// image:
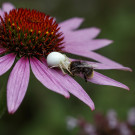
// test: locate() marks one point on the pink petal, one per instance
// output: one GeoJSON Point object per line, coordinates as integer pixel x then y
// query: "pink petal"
{"type": "Point", "coordinates": [6, 62]}
{"type": "Point", "coordinates": [7, 6]}
{"type": "Point", "coordinates": [2, 50]}
{"type": "Point", "coordinates": [81, 35]}
{"type": "Point", "coordinates": [104, 80]}
{"type": "Point", "coordinates": [108, 62]}
{"type": "Point", "coordinates": [98, 43]}
{"type": "Point", "coordinates": [47, 78]}
{"type": "Point", "coordinates": [72, 86]}
{"type": "Point", "coordinates": [95, 56]}
{"type": "Point", "coordinates": [102, 66]}
{"type": "Point", "coordinates": [86, 45]}
{"type": "Point", "coordinates": [17, 84]}
{"type": "Point", "coordinates": [71, 24]}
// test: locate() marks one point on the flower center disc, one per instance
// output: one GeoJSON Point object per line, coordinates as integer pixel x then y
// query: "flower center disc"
{"type": "Point", "coordinates": [29, 33]}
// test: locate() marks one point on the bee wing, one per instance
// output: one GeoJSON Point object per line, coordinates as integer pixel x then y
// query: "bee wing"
{"type": "Point", "coordinates": [83, 64]}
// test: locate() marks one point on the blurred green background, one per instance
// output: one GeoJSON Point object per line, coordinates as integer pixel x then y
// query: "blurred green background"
{"type": "Point", "coordinates": [44, 112]}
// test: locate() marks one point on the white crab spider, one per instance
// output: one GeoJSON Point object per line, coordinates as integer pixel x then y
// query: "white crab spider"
{"type": "Point", "coordinates": [56, 59]}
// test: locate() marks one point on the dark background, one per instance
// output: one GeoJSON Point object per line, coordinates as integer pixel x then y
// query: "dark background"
{"type": "Point", "coordinates": [44, 112]}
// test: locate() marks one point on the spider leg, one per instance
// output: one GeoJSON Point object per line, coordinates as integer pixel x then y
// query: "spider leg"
{"type": "Point", "coordinates": [65, 65]}
{"type": "Point", "coordinates": [53, 66]}
{"type": "Point", "coordinates": [69, 71]}
{"type": "Point", "coordinates": [60, 66]}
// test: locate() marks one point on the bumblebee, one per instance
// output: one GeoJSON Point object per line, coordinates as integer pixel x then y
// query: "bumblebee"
{"type": "Point", "coordinates": [78, 67]}
{"type": "Point", "coordinates": [56, 59]}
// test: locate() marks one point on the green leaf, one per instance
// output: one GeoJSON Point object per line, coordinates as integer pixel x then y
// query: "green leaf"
{"type": "Point", "coordinates": [3, 103]}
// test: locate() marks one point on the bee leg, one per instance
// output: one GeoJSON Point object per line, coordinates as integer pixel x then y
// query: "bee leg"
{"type": "Point", "coordinates": [72, 74]}
{"type": "Point", "coordinates": [85, 77]}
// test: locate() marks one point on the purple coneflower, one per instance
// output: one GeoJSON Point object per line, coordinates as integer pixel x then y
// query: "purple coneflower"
{"type": "Point", "coordinates": [29, 36]}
